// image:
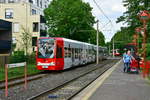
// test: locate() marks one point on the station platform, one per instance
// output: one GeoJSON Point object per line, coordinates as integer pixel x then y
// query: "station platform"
{"type": "Point", "coordinates": [114, 84]}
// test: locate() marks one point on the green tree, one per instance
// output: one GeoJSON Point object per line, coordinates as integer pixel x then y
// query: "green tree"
{"type": "Point", "coordinates": [134, 7]}
{"type": "Point", "coordinates": [121, 38]}
{"type": "Point", "coordinates": [93, 38]}
{"type": "Point", "coordinates": [65, 18]}
{"type": "Point", "coordinates": [26, 40]}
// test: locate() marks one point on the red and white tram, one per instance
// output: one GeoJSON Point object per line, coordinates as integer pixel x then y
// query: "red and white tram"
{"type": "Point", "coordinates": [62, 53]}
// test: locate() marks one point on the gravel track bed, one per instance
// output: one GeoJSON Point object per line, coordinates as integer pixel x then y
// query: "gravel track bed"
{"type": "Point", "coordinates": [49, 82]}
{"type": "Point", "coordinates": [21, 80]}
{"type": "Point", "coordinates": [70, 89]}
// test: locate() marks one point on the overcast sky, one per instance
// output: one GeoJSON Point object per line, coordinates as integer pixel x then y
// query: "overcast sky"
{"type": "Point", "coordinates": [113, 9]}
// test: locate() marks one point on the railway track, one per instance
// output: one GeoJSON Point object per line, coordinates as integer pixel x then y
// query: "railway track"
{"type": "Point", "coordinates": [20, 80]}
{"type": "Point", "coordinates": [72, 87]}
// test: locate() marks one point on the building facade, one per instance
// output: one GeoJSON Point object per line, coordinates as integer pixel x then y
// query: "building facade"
{"type": "Point", "coordinates": [39, 3]}
{"type": "Point", "coordinates": [26, 16]}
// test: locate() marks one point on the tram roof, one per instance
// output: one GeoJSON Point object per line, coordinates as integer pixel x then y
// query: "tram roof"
{"type": "Point", "coordinates": [69, 40]}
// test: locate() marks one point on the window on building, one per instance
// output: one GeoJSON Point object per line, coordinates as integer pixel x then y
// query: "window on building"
{"type": "Point", "coordinates": [33, 12]}
{"type": "Point", "coordinates": [10, 1]}
{"type": "Point", "coordinates": [14, 40]}
{"type": "Point", "coordinates": [31, 1]}
{"type": "Point", "coordinates": [38, 3]}
{"type": "Point", "coordinates": [41, 4]}
{"type": "Point", "coordinates": [9, 13]}
{"type": "Point", "coordinates": [16, 27]}
{"type": "Point", "coordinates": [2, 1]}
{"type": "Point", "coordinates": [34, 41]}
{"type": "Point", "coordinates": [35, 27]}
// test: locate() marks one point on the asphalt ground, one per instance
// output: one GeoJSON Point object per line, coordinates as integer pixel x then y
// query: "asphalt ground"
{"type": "Point", "coordinates": [117, 85]}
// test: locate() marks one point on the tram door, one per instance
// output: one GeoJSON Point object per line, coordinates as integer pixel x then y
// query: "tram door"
{"type": "Point", "coordinates": [59, 54]}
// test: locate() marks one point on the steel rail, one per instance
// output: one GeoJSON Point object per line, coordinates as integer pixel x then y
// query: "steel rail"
{"type": "Point", "coordinates": [35, 97]}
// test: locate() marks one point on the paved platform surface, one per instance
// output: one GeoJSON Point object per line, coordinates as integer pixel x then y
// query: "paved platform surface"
{"type": "Point", "coordinates": [122, 86]}
{"type": "Point", "coordinates": [117, 85]}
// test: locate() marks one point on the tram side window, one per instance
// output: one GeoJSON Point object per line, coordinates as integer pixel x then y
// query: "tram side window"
{"type": "Point", "coordinates": [89, 51]}
{"type": "Point", "coordinates": [75, 52]}
{"type": "Point", "coordinates": [66, 52]}
{"type": "Point", "coordinates": [59, 52]}
{"type": "Point", "coordinates": [69, 52]}
{"type": "Point", "coordinates": [72, 52]}
{"type": "Point", "coordinates": [78, 52]}
{"type": "Point", "coordinates": [86, 53]}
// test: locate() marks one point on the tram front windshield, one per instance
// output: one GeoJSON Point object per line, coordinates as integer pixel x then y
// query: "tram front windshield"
{"type": "Point", "coordinates": [46, 48]}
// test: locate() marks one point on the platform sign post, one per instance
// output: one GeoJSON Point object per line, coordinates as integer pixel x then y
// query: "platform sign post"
{"type": "Point", "coordinates": [6, 80]}
{"type": "Point", "coordinates": [7, 66]}
{"type": "Point", "coordinates": [25, 76]}
{"type": "Point", "coordinates": [97, 58]}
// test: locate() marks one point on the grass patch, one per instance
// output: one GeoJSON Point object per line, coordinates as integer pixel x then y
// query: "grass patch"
{"type": "Point", "coordinates": [18, 72]}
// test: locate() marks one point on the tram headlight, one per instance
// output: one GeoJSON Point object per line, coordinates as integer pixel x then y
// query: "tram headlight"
{"type": "Point", "coordinates": [46, 64]}
{"type": "Point", "coordinates": [52, 63]}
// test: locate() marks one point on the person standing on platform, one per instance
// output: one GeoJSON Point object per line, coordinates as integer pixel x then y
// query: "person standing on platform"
{"type": "Point", "coordinates": [127, 61]}
{"type": "Point", "coordinates": [124, 61]}
{"type": "Point", "coordinates": [138, 59]}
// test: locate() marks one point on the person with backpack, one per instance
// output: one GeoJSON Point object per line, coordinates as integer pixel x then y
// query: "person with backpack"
{"type": "Point", "coordinates": [127, 58]}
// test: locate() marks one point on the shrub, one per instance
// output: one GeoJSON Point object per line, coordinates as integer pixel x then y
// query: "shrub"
{"type": "Point", "coordinates": [148, 51]}
{"type": "Point", "coordinates": [17, 57]}
{"type": "Point", "coordinates": [31, 59]}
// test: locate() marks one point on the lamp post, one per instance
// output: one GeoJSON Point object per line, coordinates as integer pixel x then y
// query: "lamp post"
{"type": "Point", "coordinates": [144, 17]}
{"type": "Point", "coordinates": [113, 48]}
{"type": "Point", "coordinates": [97, 58]}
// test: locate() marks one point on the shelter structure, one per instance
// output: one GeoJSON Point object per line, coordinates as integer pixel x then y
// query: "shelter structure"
{"type": "Point", "coordinates": [5, 41]}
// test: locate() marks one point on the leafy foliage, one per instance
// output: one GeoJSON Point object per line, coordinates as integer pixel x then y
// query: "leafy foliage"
{"type": "Point", "coordinates": [93, 39]}
{"type": "Point", "coordinates": [70, 19]}
{"type": "Point", "coordinates": [131, 18]}
{"type": "Point", "coordinates": [17, 57]}
{"type": "Point", "coordinates": [31, 59]}
{"type": "Point", "coordinates": [122, 37]}
{"type": "Point", "coordinates": [26, 40]}
{"type": "Point", "coordinates": [134, 7]}
{"type": "Point", "coordinates": [148, 51]}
